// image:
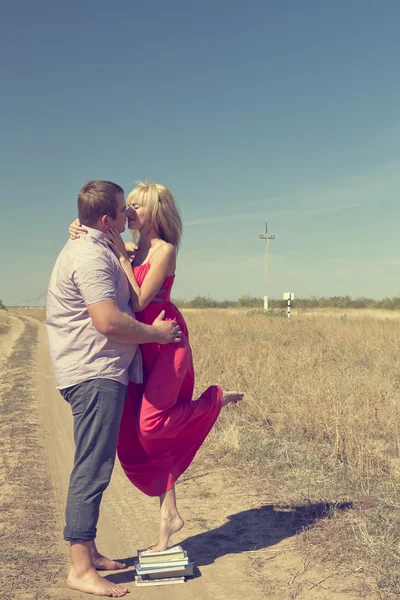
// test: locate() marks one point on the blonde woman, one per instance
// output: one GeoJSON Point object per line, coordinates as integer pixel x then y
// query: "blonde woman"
{"type": "Point", "coordinates": [162, 428]}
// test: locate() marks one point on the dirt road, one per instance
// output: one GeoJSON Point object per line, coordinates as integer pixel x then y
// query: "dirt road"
{"type": "Point", "coordinates": [129, 519]}
{"type": "Point", "coordinates": [242, 545]}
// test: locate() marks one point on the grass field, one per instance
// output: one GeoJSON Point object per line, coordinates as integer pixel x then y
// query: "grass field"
{"type": "Point", "coordinates": [320, 424]}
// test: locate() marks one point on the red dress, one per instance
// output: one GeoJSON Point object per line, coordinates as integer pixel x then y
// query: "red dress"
{"type": "Point", "coordinates": [162, 428]}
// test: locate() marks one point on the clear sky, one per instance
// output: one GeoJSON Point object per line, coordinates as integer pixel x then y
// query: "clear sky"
{"type": "Point", "coordinates": [286, 112]}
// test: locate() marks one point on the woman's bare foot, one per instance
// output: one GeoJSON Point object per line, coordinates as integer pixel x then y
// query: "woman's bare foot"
{"type": "Point", "coordinates": [228, 397]}
{"type": "Point", "coordinates": [168, 526]}
{"type": "Point", "coordinates": [90, 582]}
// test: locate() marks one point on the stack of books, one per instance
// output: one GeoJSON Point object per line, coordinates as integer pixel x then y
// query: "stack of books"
{"type": "Point", "coordinates": [163, 568]}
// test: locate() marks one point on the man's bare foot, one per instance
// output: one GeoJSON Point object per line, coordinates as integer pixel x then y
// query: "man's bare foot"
{"type": "Point", "coordinates": [228, 397]}
{"type": "Point", "coordinates": [168, 526]}
{"type": "Point", "coordinates": [90, 582]}
{"type": "Point", "coordinates": [101, 563]}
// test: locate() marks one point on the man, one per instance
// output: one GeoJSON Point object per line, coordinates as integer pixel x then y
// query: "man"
{"type": "Point", "coordinates": [93, 340]}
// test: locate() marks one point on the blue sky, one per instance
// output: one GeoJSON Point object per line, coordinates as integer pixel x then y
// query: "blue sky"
{"type": "Point", "coordinates": [286, 112]}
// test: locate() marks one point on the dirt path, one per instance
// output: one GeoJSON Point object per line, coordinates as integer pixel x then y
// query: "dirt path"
{"type": "Point", "coordinates": [129, 519]}
{"type": "Point", "coordinates": [242, 547]}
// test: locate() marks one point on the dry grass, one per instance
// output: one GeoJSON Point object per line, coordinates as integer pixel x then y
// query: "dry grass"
{"type": "Point", "coordinates": [28, 559]}
{"type": "Point", "coordinates": [36, 313]}
{"type": "Point", "coordinates": [320, 423]}
{"type": "Point", "coordinates": [5, 323]}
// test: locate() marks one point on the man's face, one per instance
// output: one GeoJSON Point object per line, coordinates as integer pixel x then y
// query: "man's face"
{"type": "Point", "coordinates": [120, 219]}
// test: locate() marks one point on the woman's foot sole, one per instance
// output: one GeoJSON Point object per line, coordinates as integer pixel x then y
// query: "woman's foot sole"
{"type": "Point", "coordinates": [234, 397]}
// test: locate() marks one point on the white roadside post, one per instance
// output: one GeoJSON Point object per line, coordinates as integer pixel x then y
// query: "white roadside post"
{"type": "Point", "coordinates": [266, 237]}
{"type": "Point", "coordinates": [289, 296]}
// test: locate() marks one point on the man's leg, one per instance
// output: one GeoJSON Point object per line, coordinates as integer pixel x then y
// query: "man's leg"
{"type": "Point", "coordinates": [97, 408]}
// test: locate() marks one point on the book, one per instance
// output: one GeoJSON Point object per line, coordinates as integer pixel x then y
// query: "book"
{"type": "Point", "coordinates": [171, 554]}
{"type": "Point", "coordinates": [159, 565]}
{"type": "Point", "coordinates": [171, 575]}
{"type": "Point", "coordinates": [144, 581]}
{"type": "Point", "coordinates": [169, 571]}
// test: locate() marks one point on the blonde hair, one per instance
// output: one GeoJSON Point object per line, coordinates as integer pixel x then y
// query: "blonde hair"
{"type": "Point", "coordinates": [162, 212]}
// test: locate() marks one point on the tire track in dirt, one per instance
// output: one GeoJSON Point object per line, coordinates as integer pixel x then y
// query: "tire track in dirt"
{"type": "Point", "coordinates": [28, 559]}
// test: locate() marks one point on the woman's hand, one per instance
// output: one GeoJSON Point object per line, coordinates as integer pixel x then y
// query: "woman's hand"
{"type": "Point", "coordinates": [75, 229]}
{"type": "Point", "coordinates": [131, 249]}
{"type": "Point", "coordinates": [115, 241]}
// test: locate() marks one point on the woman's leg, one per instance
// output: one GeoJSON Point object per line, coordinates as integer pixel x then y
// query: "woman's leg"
{"type": "Point", "coordinates": [170, 520]}
{"type": "Point", "coordinates": [171, 424]}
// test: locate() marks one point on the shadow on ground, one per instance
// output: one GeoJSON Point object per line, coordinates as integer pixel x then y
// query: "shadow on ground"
{"type": "Point", "coordinates": [252, 529]}
{"type": "Point", "coordinates": [257, 528]}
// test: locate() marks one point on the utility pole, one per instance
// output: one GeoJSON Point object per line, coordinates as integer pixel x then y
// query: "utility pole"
{"type": "Point", "coordinates": [266, 237]}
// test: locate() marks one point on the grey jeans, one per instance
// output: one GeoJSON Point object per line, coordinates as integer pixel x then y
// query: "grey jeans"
{"type": "Point", "coordinates": [97, 407]}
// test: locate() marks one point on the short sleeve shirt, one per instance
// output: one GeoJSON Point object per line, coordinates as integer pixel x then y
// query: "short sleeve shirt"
{"type": "Point", "coordinates": [87, 272]}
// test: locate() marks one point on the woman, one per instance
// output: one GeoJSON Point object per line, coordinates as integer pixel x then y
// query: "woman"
{"type": "Point", "coordinates": [161, 428]}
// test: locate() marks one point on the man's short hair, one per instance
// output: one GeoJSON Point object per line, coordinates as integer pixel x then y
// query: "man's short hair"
{"type": "Point", "coordinates": [96, 199]}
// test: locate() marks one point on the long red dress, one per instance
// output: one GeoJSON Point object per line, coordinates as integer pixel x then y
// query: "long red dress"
{"type": "Point", "coordinates": [162, 428]}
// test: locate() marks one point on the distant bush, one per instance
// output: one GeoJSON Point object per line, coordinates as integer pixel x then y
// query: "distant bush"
{"type": "Point", "coordinates": [250, 302]}
{"type": "Point", "coordinates": [203, 302]}
{"type": "Point", "coordinates": [268, 313]}
{"type": "Point", "coordinates": [2, 306]}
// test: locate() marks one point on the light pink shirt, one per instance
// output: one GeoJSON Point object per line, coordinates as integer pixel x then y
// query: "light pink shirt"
{"type": "Point", "coordinates": [86, 272]}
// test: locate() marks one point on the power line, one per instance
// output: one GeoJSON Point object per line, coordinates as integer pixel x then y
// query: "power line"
{"type": "Point", "coordinates": [37, 302]}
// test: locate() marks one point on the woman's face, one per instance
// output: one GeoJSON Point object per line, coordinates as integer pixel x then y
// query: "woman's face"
{"type": "Point", "coordinates": [136, 216]}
